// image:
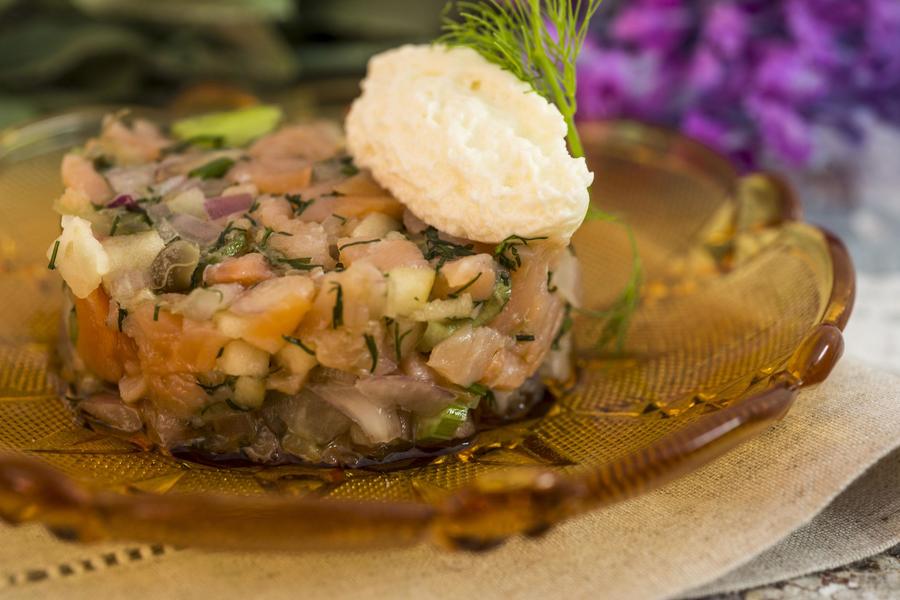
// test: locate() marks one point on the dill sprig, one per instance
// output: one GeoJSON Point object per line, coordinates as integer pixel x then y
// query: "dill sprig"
{"type": "Point", "coordinates": [538, 41]}
{"type": "Point", "coordinates": [617, 318]}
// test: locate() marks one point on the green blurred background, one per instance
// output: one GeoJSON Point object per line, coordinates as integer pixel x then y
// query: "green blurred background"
{"type": "Point", "coordinates": [59, 53]}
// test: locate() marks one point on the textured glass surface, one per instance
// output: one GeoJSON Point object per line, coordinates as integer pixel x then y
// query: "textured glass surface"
{"type": "Point", "coordinates": [743, 304]}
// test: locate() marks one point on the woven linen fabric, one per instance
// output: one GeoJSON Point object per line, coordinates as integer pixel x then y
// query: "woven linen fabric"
{"type": "Point", "coordinates": [663, 544]}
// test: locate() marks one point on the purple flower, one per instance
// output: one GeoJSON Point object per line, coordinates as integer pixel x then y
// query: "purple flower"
{"type": "Point", "coordinates": [782, 129]}
{"type": "Point", "coordinates": [727, 29]}
{"type": "Point", "coordinates": [786, 72]}
{"type": "Point", "coordinates": [659, 24]}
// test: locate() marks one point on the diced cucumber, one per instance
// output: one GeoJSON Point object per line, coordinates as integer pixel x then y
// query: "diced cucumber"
{"type": "Point", "coordinates": [494, 305]}
{"type": "Point", "coordinates": [234, 128]}
{"type": "Point", "coordinates": [249, 392]}
{"type": "Point", "coordinates": [443, 426]}
{"type": "Point", "coordinates": [240, 358]}
{"type": "Point", "coordinates": [407, 290]}
{"type": "Point", "coordinates": [440, 310]}
{"type": "Point", "coordinates": [438, 331]}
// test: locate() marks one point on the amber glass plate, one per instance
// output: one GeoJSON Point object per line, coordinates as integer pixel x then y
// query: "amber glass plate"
{"type": "Point", "coordinates": [743, 304]}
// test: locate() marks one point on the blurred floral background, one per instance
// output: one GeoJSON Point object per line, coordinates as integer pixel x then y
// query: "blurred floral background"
{"type": "Point", "coordinates": [810, 88]}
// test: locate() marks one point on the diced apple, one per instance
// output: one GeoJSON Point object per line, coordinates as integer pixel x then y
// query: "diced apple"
{"type": "Point", "coordinates": [189, 202]}
{"type": "Point", "coordinates": [408, 290]}
{"type": "Point", "coordinates": [296, 360]}
{"type": "Point", "coordinates": [240, 358]}
{"type": "Point", "coordinates": [269, 311]}
{"type": "Point", "coordinates": [375, 226]}
{"type": "Point", "coordinates": [79, 257]}
{"type": "Point", "coordinates": [249, 392]}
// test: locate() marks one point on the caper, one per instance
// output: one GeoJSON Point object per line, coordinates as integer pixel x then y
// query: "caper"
{"type": "Point", "coordinates": [173, 267]}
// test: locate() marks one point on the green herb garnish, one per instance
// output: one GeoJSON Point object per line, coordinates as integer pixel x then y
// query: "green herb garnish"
{"type": "Point", "coordinates": [347, 166]}
{"type": "Point", "coordinates": [299, 344]}
{"type": "Point", "coordinates": [340, 218]}
{"type": "Point", "coordinates": [359, 243]}
{"type": "Point", "coordinates": [115, 225]}
{"type": "Point", "coordinates": [214, 169]}
{"type": "Point", "coordinates": [398, 340]}
{"type": "Point", "coordinates": [524, 337]}
{"type": "Point", "coordinates": [52, 264]}
{"type": "Point", "coordinates": [373, 350]}
{"type": "Point", "coordinates": [337, 313]}
{"type": "Point", "coordinates": [617, 318]}
{"type": "Point", "coordinates": [301, 264]}
{"type": "Point", "coordinates": [507, 253]}
{"type": "Point", "coordinates": [102, 163]}
{"type": "Point", "coordinates": [156, 313]}
{"type": "Point", "coordinates": [536, 41]}
{"type": "Point", "coordinates": [268, 233]}
{"type": "Point", "coordinates": [465, 287]}
{"type": "Point", "coordinates": [435, 247]}
{"type": "Point", "coordinates": [298, 203]}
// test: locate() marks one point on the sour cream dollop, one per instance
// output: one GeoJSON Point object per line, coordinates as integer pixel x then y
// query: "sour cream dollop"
{"type": "Point", "coordinates": [466, 146]}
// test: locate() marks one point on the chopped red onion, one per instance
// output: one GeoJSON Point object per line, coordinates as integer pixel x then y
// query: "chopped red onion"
{"type": "Point", "coordinates": [221, 206]}
{"type": "Point", "coordinates": [194, 229]}
{"type": "Point", "coordinates": [121, 200]}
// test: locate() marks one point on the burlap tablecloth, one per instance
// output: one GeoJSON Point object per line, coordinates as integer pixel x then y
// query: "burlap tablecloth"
{"type": "Point", "coordinates": [765, 511]}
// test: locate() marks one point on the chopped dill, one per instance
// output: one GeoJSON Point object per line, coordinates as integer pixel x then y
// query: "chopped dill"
{"type": "Point", "coordinates": [359, 243]}
{"type": "Point", "coordinates": [537, 41]}
{"type": "Point", "coordinates": [470, 283]}
{"type": "Point", "coordinates": [507, 253]}
{"type": "Point", "coordinates": [373, 350]}
{"type": "Point", "coordinates": [52, 264]}
{"type": "Point", "coordinates": [299, 344]}
{"type": "Point", "coordinates": [340, 218]}
{"type": "Point", "coordinates": [435, 247]}
{"type": "Point", "coordinates": [337, 313]}
{"type": "Point", "coordinates": [298, 203]}
{"type": "Point", "coordinates": [156, 313]}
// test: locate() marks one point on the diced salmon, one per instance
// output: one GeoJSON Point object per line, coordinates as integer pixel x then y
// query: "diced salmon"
{"type": "Point", "coordinates": [103, 350]}
{"type": "Point", "coordinates": [315, 141]}
{"type": "Point", "coordinates": [176, 394]}
{"type": "Point", "coordinates": [274, 175]}
{"type": "Point", "coordinates": [533, 310]}
{"type": "Point", "coordinates": [476, 273]}
{"type": "Point", "coordinates": [299, 239]}
{"type": "Point", "coordinates": [140, 143]}
{"type": "Point", "coordinates": [352, 206]}
{"type": "Point", "coordinates": [466, 356]}
{"type": "Point", "coordinates": [361, 184]}
{"type": "Point", "coordinates": [384, 254]}
{"type": "Point", "coordinates": [172, 343]}
{"type": "Point", "coordinates": [273, 212]}
{"type": "Point", "coordinates": [348, 350]}
{"type": "Point", "coordinates": [246, 270]}
{"type": "Point", "coordinates": [79, 174]}
{"type": "Point", "coordinates": [269, 311]}
{"type": "Point", "coordinates": [362, 291]}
